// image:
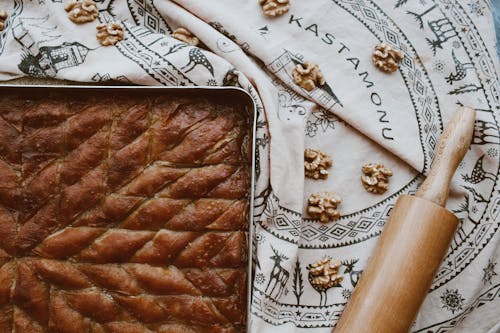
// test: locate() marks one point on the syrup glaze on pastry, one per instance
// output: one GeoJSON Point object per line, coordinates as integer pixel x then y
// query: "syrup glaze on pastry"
{"type": "Point", "coordinates": [123, 215]}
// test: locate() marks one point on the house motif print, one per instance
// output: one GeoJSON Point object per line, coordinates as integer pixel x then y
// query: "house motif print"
{"type": "Point", "coordinates": [51, 59]}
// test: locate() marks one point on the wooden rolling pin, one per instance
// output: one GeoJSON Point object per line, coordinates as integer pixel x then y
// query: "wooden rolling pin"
{"type": "Point", "coordinates": [412, 245]}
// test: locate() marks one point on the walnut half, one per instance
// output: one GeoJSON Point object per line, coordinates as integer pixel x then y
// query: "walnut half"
{"type": "Point", "coordinates": [375, 178]}
{"type": "Point", "coordinates": [316, 163]}
{"type": "Point", "coordinates": [109, 33]}
{"type": "Point", "coordinates": [308, 76]}
{"type": "Point", "coordinates": [82, 11]}
{"type": "Point", "coordinates": [386, 58]}
{"type": "Point", "coordinates": [275, 8]}
{"type": "Point", "coordinates": [323, 206]}
{"type": "Point", "coordinates": [185, 36]}
{"type": "Point", "coordinates": [323, 274]}
{"type": "Point", "coordinates": [3, 18]}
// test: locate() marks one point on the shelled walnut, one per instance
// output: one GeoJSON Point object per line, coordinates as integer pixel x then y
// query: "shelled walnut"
{"type": "Point", "coordinates": [82, 11]}
{"type": "Point", "coordinates": [185, 36]}
{"type": "Point", "coordinates": [323, 206]}
{"type": "Point", "coordinates": [316, 163]}
{"type": "Point", "coordinates": [3, 18]}
{"type": "Point", "coordinates": [375, 177]}
{"type": "Point", "coordinates": [275, 8]}
{"type": "Point", "coordinates": [308, 76]}
{"type": "Point", "coordinates": [109, 33]}
{"type": "Point", "coordinates": [386, 58]}
{"type": "Point", "coordinates": [323, 274]}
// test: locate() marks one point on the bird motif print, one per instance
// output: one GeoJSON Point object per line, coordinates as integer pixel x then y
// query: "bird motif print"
{"type": "Point", "coordinates": [196, 57]}
{"type": "Point", "coordinates": [460, 70]}
{"type": "Point", "coordinates": [478, 173]}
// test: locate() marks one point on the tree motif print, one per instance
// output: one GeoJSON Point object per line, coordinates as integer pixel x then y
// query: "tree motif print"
{"type": "Point", "coordinates": [419, 17]}
{"type": "Point", "coordinates": [298, 282]}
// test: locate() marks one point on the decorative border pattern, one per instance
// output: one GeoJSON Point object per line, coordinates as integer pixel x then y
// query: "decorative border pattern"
{"type": "Point", "coordinates": [158, 67]}
{"type": "Point", "coordinates": [288, 225]}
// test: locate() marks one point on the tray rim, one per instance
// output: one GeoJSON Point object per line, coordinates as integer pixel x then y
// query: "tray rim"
{"type": "Point", "coordinates": [251, 109]}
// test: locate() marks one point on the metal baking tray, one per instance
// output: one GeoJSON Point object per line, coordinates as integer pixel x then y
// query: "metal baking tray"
{"type": "Point", "coordinates": [224, 93]}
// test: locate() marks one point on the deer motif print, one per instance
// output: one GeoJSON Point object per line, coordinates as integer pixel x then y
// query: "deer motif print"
{"type": "Point", "coordinates": [279, 275]}
{"type": "Point", "coordinates": [460, 70]}
{"type": "Point", "coordinates": [354, 275]}
{"type": "Point", "coordinates": [323, 275]}
{"type": "Point", "coordinates": [196, 57]}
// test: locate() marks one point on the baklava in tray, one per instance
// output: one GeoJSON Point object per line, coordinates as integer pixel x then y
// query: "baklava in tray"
{"type": "Point", "coordinates": [123, 212]}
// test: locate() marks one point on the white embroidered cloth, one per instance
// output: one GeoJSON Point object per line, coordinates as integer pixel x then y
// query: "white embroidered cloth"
{"type": "Point", "coordinates": [360, 115]}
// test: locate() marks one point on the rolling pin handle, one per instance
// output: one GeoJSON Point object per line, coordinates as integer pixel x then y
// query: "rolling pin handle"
{"type": "Point", "coordinates": [453, 145]}
{"type": "Point", "coordinates": [412, 245]}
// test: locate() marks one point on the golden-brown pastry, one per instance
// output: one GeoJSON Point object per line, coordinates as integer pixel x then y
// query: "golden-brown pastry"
{"type": "Point", "coordinates": [122, 215]}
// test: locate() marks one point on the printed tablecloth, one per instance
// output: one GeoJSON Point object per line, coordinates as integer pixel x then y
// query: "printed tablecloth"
{"type": "Point", "coordinates": [359, 115]}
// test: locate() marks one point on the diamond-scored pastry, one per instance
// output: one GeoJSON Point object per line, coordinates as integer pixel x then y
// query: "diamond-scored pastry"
{"type": "Point", "coordinates": [274, 8]}
{"type": "Point", "coordinates": [386, 58]}
{"type": "Point", "coordinates": [109, 33]}
{"type": "Point", "coordinates": [82, 11]}
{"type": "Point", "coordinates": [375, 177]}
{"type": "Point", "coordinates": [308, 76]}
{"type": "Point", "coordinates": [121, 215]}
{"type": "Point", "coordinates": [316, 163]}
{"type": "Point", "coordinates": [185, 36]}
{"type": "Point", "coordinates": [323, 206]}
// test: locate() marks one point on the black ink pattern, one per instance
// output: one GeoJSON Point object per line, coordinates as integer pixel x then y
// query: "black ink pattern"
{"type": "Point", "coordinates": [176, 47]}
{"type": "Point", "coordinates": [465, 89]}
{"type": "Point", "coordinates": [196, 57]}
{"type": "Point", "coordinates": [419, 17]}
{"type": "Point", "coordinates": [346, 293]}
{"type": "Point", "coordinates": [478, 173]}
{"type": "Point", "coordinates": [298, 283]}
{"type": "Point", "coordinates": [443, 30]}
{"type": "Point", "coordinates": [452, 300]}
{"type": "Point", "coordinates": [460, 69]}
{"type": "Point", "coordinates": [485, 132]}
{"type": "Point", "coordinates": [489, 271]}
{"type": "Point", "coordinates": [465, 207]}
{"type": "Point", "coordinates": [279, 276]}
{"type": "Point", "coordinates": [354, 275]}
{"type": "Point", "coordinates": [260, 278]}
{"type": "Point", "coordinates": [52, 59]}
{"type": "Point", "coordinates": [478, 197]}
